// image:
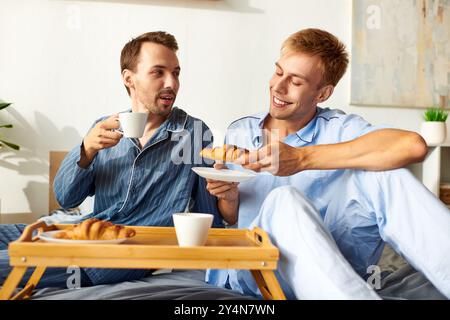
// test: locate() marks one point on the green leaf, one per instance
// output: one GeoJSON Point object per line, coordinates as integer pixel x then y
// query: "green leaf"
{"type": "Point", "coordinates": [6, 126]}
{"type": "Point", "coordinates": [436, 114]}
{"type": "Point", "coordinates": [3, 105]}
{"type": "Point", "coordinates": [11, 145]}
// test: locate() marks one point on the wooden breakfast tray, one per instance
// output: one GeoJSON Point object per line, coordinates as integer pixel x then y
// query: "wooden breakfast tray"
{"type": "Point", "coordinates": [150, 248]}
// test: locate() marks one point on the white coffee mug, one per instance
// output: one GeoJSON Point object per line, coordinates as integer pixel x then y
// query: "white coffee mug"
{"type": "Point", "coordinates": [192, 228]}
{"type": "Point", "coordinates": [133, 123]}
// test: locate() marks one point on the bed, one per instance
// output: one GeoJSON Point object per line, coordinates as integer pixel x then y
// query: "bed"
{"type": "Point", "coordinates": [399, 279]}
{"type": "Point", "coordinates": [399, 282]}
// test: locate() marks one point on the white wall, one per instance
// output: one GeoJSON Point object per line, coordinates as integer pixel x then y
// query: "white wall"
{"type": "Point", "coordinates": [59, 63]}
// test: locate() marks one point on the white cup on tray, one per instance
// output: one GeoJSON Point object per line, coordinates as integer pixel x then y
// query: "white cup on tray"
{"type": "Point", "coordinates": [192, 228]}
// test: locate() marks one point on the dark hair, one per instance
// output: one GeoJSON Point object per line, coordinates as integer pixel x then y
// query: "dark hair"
{"type": "Point", "coordinates": [129, 56]}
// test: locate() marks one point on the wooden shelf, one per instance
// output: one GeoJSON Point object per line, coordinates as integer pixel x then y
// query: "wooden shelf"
{"type": "Point", "coordinates": [444, 144]}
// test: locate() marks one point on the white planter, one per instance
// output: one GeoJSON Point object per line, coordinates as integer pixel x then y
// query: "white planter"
{"type": "Point", "coordinates": [434, 132]}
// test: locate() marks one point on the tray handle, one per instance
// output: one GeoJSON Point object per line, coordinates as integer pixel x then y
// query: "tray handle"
{"type": "Point", "coordinates": [27, 234]}
{"type": "Point", "coordinates": [260, 236]}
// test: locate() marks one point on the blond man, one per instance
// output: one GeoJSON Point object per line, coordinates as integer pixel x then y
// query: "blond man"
{"type": "Point", "coordinates": [330, 189]}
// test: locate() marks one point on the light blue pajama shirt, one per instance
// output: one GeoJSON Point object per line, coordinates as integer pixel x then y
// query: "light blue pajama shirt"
{"type": "Point", "coordinates": [361, 209]}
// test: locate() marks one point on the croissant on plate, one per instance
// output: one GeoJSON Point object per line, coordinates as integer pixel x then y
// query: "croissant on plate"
{"type": "Point", "coordinates": [226, 153]}
{"type": "Point", "coordinates": [95, 229]}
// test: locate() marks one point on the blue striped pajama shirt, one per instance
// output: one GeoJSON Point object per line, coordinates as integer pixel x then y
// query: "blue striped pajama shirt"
{"type": "Point", "coordinates": [141, 187]}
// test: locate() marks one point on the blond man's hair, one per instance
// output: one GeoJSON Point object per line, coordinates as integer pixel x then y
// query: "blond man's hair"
{"type": "Point", "coordinates": [129, 56]}
{"type": "Point", "coordinates": [331, 52]}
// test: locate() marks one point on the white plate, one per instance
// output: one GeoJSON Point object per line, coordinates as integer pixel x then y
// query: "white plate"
{"type": "Point", "coordinates": [223, 174]}
{"type": "Point", "coordinates": [49, 237]}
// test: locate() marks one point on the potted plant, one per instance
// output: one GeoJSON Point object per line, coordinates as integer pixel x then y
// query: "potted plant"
{"type": "Point", "coordinates": [434, 130]}
{"type": "Point", "coordinates": [4, 105]}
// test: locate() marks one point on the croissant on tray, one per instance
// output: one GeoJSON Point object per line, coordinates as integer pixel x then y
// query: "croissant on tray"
{"type": "Point", "coordinates": [95, 229]}
{"type": "Point", "coordinates": [226, 153]}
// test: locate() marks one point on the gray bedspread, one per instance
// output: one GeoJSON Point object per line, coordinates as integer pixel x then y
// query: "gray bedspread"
{"type": "Point", "coordinates": [404, 283]}
{"type": "Point", "coordinates": [177, 285]}
{"type": "Point", "coordinates": [399, 281]}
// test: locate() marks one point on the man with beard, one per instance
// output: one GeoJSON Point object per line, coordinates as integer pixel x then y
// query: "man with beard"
{"type": "Point", "coordinates": [135, 181]}
{"type": "Point", "coordinates": [331, 189]}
